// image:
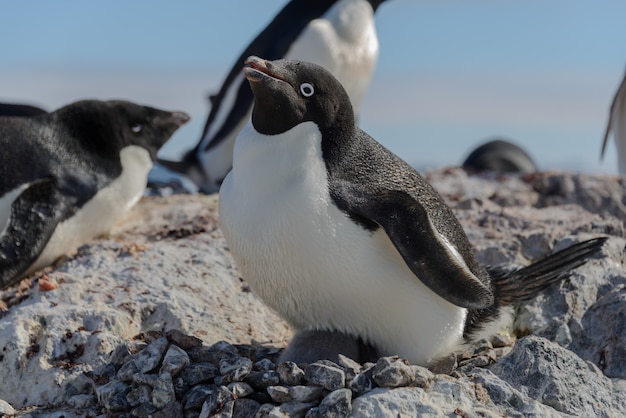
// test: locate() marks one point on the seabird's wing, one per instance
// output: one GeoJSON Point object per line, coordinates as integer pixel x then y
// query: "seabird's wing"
{"type": "Point", "coordinates": [429, 255]}
{"type": "Point", "coordinates": [33, 217]}
{"type": "Point", "coordinates": [621, 92]}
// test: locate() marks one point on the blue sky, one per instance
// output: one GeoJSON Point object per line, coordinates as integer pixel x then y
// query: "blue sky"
{"type": "Point", "coordinates": [451, 74]}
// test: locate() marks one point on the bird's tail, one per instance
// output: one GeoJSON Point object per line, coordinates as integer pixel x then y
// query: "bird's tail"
{"type": "Point", "coordinates": [523, 284]}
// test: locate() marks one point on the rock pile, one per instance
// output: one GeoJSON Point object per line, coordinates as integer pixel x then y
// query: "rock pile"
{"type": "Point", "coordinates": [105, 342]}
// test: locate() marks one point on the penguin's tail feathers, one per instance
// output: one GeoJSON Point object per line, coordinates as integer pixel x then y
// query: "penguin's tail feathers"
{"type": "Point", "coordinates": [523, 284]}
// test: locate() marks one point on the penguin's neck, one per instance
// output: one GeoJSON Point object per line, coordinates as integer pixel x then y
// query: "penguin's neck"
{"type": "Point", "coordinates": [266, 164]}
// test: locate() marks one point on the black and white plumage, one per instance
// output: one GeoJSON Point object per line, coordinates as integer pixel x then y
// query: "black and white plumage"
{"type": "Point", "coordinates": [339, 35]}
{"type": "Point", "coordinates": [344, 239]}
{"type": "Point", "coordinates": [19, 109]}
{"type": "Point", "coordinates": [67, 176]}
{"type": "Point", "coordinates": [617, 125]}
{"type": "Point", "coordinates": [500, 156]}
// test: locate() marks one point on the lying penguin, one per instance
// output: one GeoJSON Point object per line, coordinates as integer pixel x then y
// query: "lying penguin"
{"type": "Point", "coordinates": [346, 241]}
{"type": "Point", "coordinates": [66, 177]}
{"type": "Point", "coordinates": [339, 35]}
{"type": "Point", "coordinates": [19, 109]}
{"type": "Point", "coordinates": [500, 156]}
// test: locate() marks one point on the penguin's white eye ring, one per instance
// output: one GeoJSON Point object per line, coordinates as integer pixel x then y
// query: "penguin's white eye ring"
{"type": "Point", "coordinates": [307, 89]}
{"type": "Point", "coordinates": [136, 127]}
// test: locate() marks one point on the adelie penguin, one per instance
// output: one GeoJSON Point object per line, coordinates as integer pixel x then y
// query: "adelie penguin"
{"type": "Point", "coordinates": [500, 156]}
{"type": "Point", "coordinates": [346, 241]}
{"type": "Point", "coordinates": [66, 176]}
{"type": "Point", "coordinates": [339, 35]}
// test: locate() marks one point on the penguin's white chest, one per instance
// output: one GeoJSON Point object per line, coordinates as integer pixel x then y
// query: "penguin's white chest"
{"type": "Point", "coordinates": [98, 215]}
{"type": "Point", "coordinates": [312, 264]}
{"type": "Point", "coordinates": [344, 42]}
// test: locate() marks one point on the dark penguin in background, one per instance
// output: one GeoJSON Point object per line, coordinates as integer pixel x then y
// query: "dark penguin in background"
{"type": "Point", "coordinates": [617, 125]}
{"type": "Point", "coordinates": [17, 109]}
{"type": "Point", "coordinates": [346, 241]}
{"type": "Point", "coordinates": [66, 177]}
{"type": "Point", "coordinates": [500, 156]}
{"type": "Point", "coordinates": [339, 35]}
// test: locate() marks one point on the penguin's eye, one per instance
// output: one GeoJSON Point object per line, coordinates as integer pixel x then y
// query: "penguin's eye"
{"type": "Point", "coordinates": [307, 89]}
{"type": "Point", "coordinates": [136, 127]}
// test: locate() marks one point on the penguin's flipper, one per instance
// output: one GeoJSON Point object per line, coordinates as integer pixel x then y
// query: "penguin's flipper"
{"type": "Point", "coordinates": [429, 255]}
{"type": "Point", "coordinates": [525, 283]}
{"type": "Point", "coordinates": [621, 90]}
{"type": "Point", "coordinates": [34, 216]}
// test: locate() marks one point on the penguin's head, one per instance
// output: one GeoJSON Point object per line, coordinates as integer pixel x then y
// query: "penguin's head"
{"type": "Point", "coordinates": [107, 127]}
{"type": "Point", "coordinates": [288, 93]}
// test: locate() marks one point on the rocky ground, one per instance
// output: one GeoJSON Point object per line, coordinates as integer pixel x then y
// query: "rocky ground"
{"type": "Point", "coordinates": [154, 320]}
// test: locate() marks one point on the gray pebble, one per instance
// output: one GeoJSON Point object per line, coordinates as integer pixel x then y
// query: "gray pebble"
{"type": "Point", "coordinates": [234, 369]}
{"type": "Point", "coordinates": [279, 393]}
{"type": "Point", "coordinates": [289, 409]}
{"type": "Point", "coordinates": [218, 401]}
{"type": "Point", "coordinates": [393, 372]}
{"type": "Point", "coordinates": [150, 357]}
{"type": "Point", "coordinates": [175, 360]}
{"type": "Point", "coordinates": [163, 392]}
{"type": "Point", "coordinates": [196, 396]}
{"type": "Point", "coordinates": [264, 364]}
{"type": "Point", "coordinates": [305, 393]}
{"type": "Point", "coordinates": [289, 373]}
{"type": "Point", "coordinates": [445, 365]}
{"type": "Point", "coordinates": [423, 376]}
{"type": "Point", "coordinates": [213, 354]}
{"type": "Point", "coordinates": [143, 411]}
{"type": "Point", "coordinates": [182, 340]}
{"type": "Point", "coordinates": [337, 404]}
{"type": "Point", "coordinates": [162, 388]}
{"type": "Point", "coordinates": [172, 410]}
{"type": "Point", "coordinates": [180, 387]}
{"type": "Point", "coordinates": [363, 381]}
{"type": "Point", "coordinates": [479, 361]}
{"type": "Point", "coordinates": [198, 372]}
{"type": "Point", "coordinates": [139, 395]}
{"type": "Point", "coordinates": [263, 379]}
{"type": "Point", "coordinates": [245, 408]}
{"type": "Point", "coordinates": [120, 355]}
{"type": "Point", "coordinates": [328, 376]}
{"type": "Point", "coordinates": [240, 389]}
{"type": "Point", "coordinates": [502, 341]}
{"type": "Point", "coordinates": [350, 367]}
{"type": "Point", "coordinates": [103, 374]}
{"type": "Point", "coordinates": [127, 371]}
{"type": "Point", "coordinates": [112, 395]}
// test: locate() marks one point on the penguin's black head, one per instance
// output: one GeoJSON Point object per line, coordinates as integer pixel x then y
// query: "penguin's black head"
{"type": "Point", "coordinates": [288, 92]}
{"type": "Point", "coordinates": [105, 128]}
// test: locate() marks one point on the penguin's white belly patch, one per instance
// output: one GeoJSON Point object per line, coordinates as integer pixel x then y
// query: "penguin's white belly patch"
{"type": "Point", "coordinates": [99, 214]}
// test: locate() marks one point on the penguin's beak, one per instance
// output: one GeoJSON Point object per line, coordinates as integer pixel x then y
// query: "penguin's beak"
{"type": "Point", "coordinates": [257, 69]}
{"type": "Point", "coordinates": [180, 118]}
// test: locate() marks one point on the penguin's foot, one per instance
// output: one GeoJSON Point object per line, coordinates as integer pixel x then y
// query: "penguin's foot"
{"type": "Point", "coordinates": [310, 346]}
